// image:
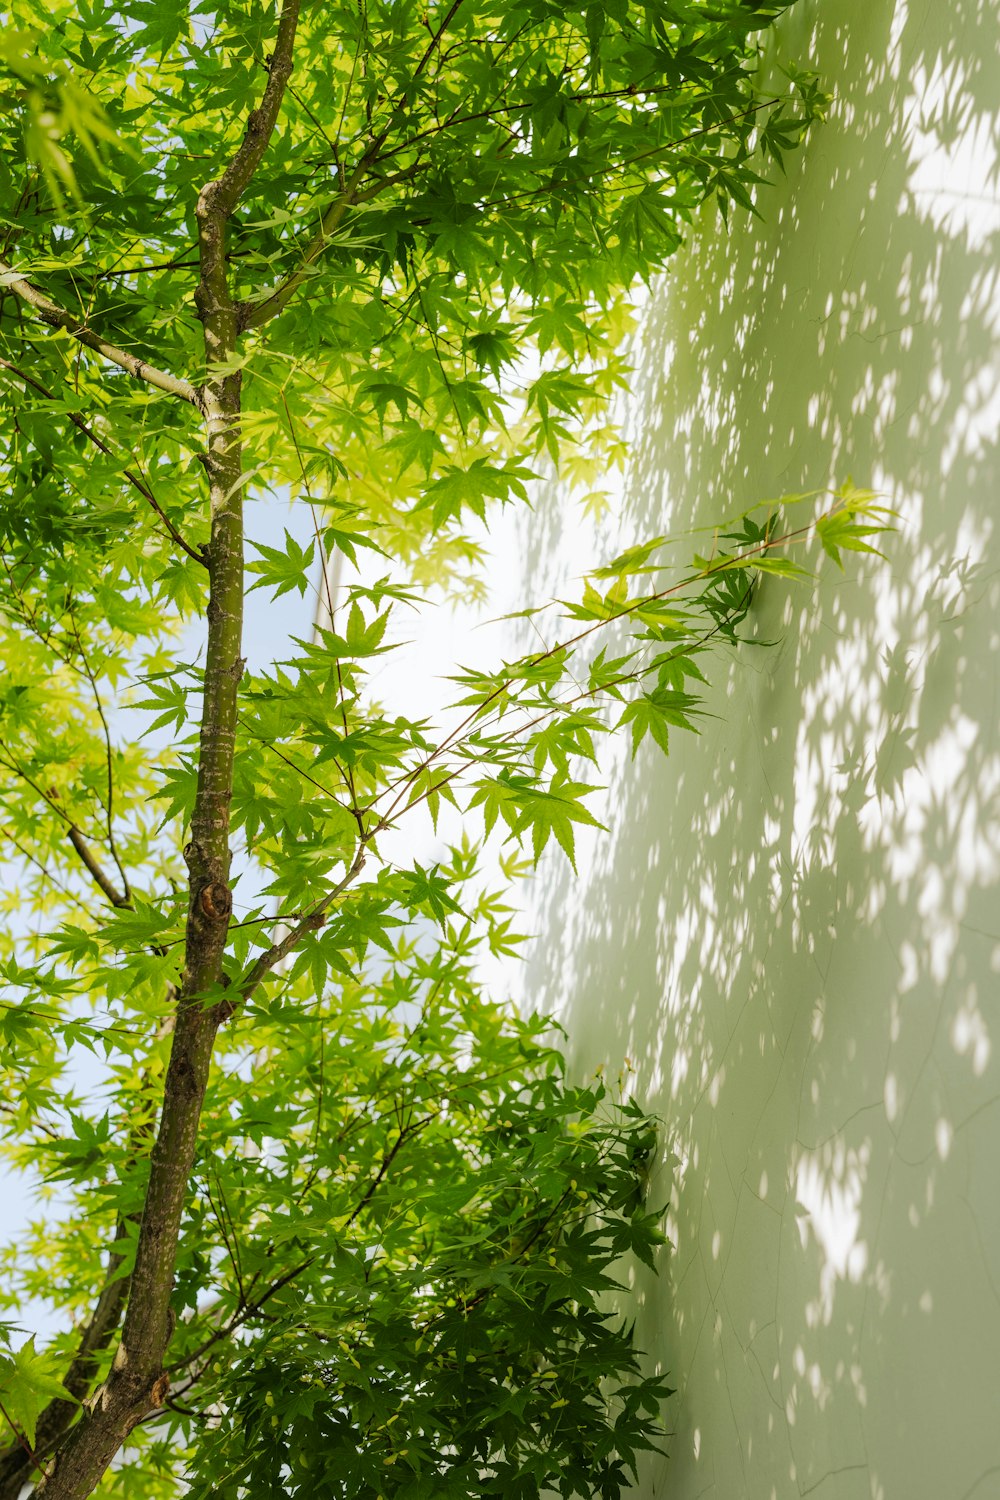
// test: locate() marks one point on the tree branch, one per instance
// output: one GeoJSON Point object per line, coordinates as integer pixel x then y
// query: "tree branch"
{"type": "Point", "coordinates": [435, 40]}
{"type": "Point", "coordinates": [259, 971]}
{"type": "Point", "coordinates": [57, 317]}
{"type": "Point", "coordinates": [109, 758]}
{"type": "Point", "coordinates": [254, 314]}
{"type": "Point", "coordinates": [137, 1382]}
{"type": "Point", "coordinates": [15, 1470]}
{"type": "Point", "coordinates": [116, 897]}
{"type": "Point", "coordinates": [134, 479]}
{"type": "Point", "coordinates": [44, 870]}
{"type": "Point", "coordinates": [16, 1466]}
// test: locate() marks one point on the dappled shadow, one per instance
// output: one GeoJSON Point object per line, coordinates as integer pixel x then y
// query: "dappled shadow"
{"type": "Point", "coordinates": [793, 929]}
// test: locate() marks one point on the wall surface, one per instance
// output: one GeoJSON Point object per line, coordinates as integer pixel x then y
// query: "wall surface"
{"type": "Point", "coordinates": [793, 927]}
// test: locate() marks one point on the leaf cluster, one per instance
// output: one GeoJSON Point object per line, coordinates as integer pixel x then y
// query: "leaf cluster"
{"type": "Point", "coordinates": [403, 1224]}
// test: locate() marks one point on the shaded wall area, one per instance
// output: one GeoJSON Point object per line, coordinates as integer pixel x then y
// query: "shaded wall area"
{"type": "Point", "coordinates": [793, 929]}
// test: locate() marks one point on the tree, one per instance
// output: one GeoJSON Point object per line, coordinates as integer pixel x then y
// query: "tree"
{"type": "Point", "coordinates": [341, 1229]}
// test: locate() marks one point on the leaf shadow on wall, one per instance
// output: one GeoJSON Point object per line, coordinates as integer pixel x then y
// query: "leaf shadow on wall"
{"type": "Point", "coordinates": [792, 929]}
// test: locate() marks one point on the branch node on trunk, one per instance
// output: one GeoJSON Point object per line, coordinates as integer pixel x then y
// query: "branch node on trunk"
{"type": "Point", "coordinates": [160, 1389]}
{"type": "Point", "coordinates": [216, 900]}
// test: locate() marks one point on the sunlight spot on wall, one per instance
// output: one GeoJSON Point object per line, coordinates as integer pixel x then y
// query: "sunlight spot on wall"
{"type": "Point", "coordinates": [715, 1087]}
{"type": "Point", "coordinates": [980, 417]}
{"type": "Point", "coordinates": [890, 1097]}
{"type": "Point", "coordinates": [828, 1186]}
{"type": "Point", "coordinates": [953, 161]}
{"type": "Point", "coordinates": [897, 31]}
{"type": "Point", "coordinates": [969, 1035]}
{"type": "Point", "coordinates": [679, 1066]}
{"type": "Point", "coordinates": [944, 1134]}
{"type": "Point", "coordinates": [859, 1385]}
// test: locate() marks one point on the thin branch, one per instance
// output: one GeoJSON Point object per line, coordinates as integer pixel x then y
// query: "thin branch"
{"type": "Point", "coordinates": [434, 42]}
{"type": "Point", "coordinates": [221, 1214]}
{"type": "Point", "coordinates": [405, 1132]}
{"type": "Point", "coordinates": [320, 1090]}
{"type": "Point", "coordinates": [455, 119]}
{"type": "Point", "coordinates": [162, 265]}
{"type": "Point", "coordinates": [76, 838]}
{"type": "Point", "coordinates": [254, 314]}
{"type": "Point", "coordinates": [343, 108]}
{"type": "Point", "coordinates": [292, 766]}
{"type": "Point", "coordinates": [33, 859]}
{"type": "Point", "coordinates": [630, 161]}
{"type": "Point", "coordinates": [137, 483]}
{"type": "Point", "coordinates": [127, 893]}
{"type": "Point", "coordinates": [344, 770]}
{"type": "Point", "coordinates": [725, 564]}
{"type": "Point", "coordinates": [50, 797]}
{"type": "Point", "coordinates": [83, 849]}
{"type": "Point", "coordinates": [685, 648]}
{"type": "Point", "coordinates": [19, 1436]}
{"type": "Point", "coordinates": [57, 317]}
{"type": "Point", "coordinates": [259, 971]}
{"type": "Point", "coordinates": [230, 187]}
{"type": "Point", "coordinates": [237, 1320]}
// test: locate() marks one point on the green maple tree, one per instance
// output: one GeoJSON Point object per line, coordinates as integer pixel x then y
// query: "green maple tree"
{"type": "Point", "coordinates": [334, 1223]}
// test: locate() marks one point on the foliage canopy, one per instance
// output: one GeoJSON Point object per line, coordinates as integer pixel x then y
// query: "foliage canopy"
{"type": "Point", "coordinates": [332, 1223]}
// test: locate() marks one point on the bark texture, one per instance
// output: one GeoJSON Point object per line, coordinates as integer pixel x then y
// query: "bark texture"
{"type": "Point", "coordinates": [137, 1383]}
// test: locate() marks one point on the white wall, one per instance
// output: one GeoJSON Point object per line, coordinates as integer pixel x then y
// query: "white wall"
{"type": "Point", "coordinates": [793, 930]}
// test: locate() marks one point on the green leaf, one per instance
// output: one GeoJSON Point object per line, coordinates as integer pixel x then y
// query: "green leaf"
{"type": "Point", "coordinates": [283, 571]}
{"type": "Point", "coordinates": [653, 713]}
{"type": "Point", "coordinates": [27, 1384]}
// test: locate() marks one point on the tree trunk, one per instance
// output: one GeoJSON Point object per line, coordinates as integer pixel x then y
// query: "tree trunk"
{"type": "Point", "coordinates": [136, 1383]}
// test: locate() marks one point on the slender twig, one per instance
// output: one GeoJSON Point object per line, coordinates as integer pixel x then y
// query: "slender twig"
{"type": "Point", "coordinates": [83, 849]}
{"type": "Point", "coordinates": [33, 858]}
{"type": "Point", "coordinates": [405, 1132]}
{"type": "Point", "coordinates": [224, 1220]}
{"type": "Point", "coordinates": [475, 715]}
{"type": "Point", "coordinates": [50, 797]}
{"type": "Point", "coordinates": [263, 308]}
{"type": "Point", "coordinates": [454, 120]}
{"type": "Point", "coordinates": [317, 1167]}
{"type": "Point", "coordinates": [630, 161]}
{"type": "Point", "coordinates": [126, 889]}
{"type": "Point", "coordinates": [258, 972]}
{"type": "Point", "coordinates": [687, 647]}
{"type": "Point", "coordinates": [18, 1434]}
{"type": "Point", "coordinates": [162, 265]}
{"type": "Point", "coordinates": [137, 483]}
{"type": "Point", "coordinates": [435, 40]}
{"type": "Point", "coordinates": [344, 770]}
{"type": "Point", "coordinates": [292, 765]}
{"type": "Point", "coordinates": [238, 1319]}
{"type": "Point", "coordinates": [57, 317]}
